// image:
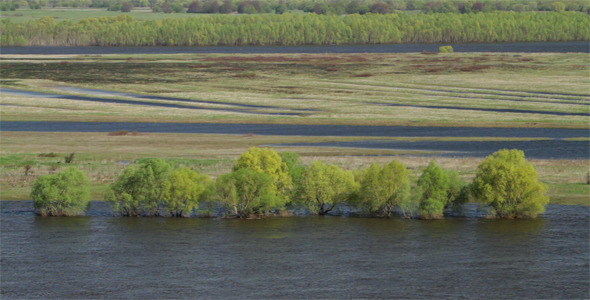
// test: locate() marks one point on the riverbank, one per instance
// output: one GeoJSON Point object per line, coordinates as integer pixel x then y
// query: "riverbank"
{"type": "Point", "coordinates": [103, 156]}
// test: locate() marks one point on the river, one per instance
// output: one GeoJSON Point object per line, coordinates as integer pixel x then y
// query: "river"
{"type": "Point", "coordinates": [559, 47]}
{"type": "Point", "coordinates": [554, 144]}
{"type": "Point", "coordinates": [100, 256]}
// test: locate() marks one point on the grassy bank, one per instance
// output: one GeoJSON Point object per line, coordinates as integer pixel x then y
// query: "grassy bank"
{"type": "Point", "coordinates": [103, 157]}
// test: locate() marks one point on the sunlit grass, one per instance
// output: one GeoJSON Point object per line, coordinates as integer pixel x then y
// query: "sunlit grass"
{"type": "Point", "coordinates": [326, 83]}
{"type": "Point", "coordinates": [103, 157]}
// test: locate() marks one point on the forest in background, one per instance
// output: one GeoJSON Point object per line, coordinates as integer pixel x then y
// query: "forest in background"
{"type": "Point", "coordinates": [301, 29]}
{"type": "Point", "coordinates": [338, 7]}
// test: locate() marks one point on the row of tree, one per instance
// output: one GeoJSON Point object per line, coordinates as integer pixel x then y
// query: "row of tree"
{"type": "Point", "coordinates": [338, 7]}
{"type": "Point", "coordinates": [264, 182]}
{"type": "Point", "coordinates": [309, 29]}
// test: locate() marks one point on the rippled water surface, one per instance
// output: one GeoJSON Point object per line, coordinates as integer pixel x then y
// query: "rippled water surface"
{"type": "Point", "coordinates": [100, 256]}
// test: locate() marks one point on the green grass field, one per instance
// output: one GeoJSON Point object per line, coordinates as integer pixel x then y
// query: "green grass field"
{"type": "Point", "coordinates": [333, 88]}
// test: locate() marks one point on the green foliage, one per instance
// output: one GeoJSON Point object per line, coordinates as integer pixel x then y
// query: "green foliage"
{"type": "Point", "coordinates": [445, 49]}
{"type": "Point", "coordinates": [509, 185]}
{"type": "Point", "coordinates": [247, 192]}
{"type": "Point", "coordinates": [269, 162]}
{"type": "Point", "coordinates": [126, 6]}
{"type": "Point", "coordinates": [182, 191]}
{"type": "Point", "coordinates": [384, 188]}
{"type": "Point", "coordinates": [337, 7]}
{"type": "Point", "coordinates": [324, 186]}
{"type": "Point", "coordinates": [296, 29]}
{"type": "Point", "coordinates": [63, 194]}
{"type": "Point", "coordinates": [433, 185]}
{"type": "Point", "coordinates": [295, 169]}
{"type": "Point", "coordinates": [458, 191]}
{"type": "Point", "coordinates": [140, 189]}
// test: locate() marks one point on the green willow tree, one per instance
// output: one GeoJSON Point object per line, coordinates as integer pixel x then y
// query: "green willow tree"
{"type": "Point", "coordinates": [322, 187]}
{"type": "Point", "coordinates": [267, 161]}
{"type": "Point", "coordinates": [140, 189]}
{"type": "Point", "coordinates": [382, 189]}
{"type": "Point", "coordinates": [182, 191]}
{"type": "Point", "coordinates": [432, 186]}
{"type": "Point", "coordinates": [66, 193]}
{"type": "Point", "coordinates": [509, 185]}
{"type": "Point", "coordinates": [438, 189]}
{"type": "Point", "coordinates": [246, 192]}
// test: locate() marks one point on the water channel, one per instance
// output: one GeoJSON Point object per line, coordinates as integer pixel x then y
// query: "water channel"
{"type": "Point", "coordinates": [559, 47]}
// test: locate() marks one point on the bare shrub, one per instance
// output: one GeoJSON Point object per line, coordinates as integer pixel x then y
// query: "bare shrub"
{"type": "Point", "coordinates": [118, 133]}
{"type": "Point", "coordinates": [70, 158]}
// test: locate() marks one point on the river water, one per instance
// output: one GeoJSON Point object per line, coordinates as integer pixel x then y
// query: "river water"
{"type": "Point", "coordinates": [555, 144]}
{"type": "Point", "coordinates": [560, 47]}
{"type": "Point", "coordinates": [100, 256]}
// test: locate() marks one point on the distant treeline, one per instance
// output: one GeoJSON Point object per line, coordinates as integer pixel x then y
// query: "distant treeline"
{"type": "Point", "coordinates": [301, 29]}
{"type": "Point", "coordinates": [338, 7]}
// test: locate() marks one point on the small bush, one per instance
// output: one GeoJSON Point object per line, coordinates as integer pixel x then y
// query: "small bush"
{"type": "Point", "coordinates": [119, 133]}
{"type": "Point", "coordinates": [445, 49]}
{"type": "Point", "coordinates": [28, 169]}
{"type": "Point", "coordinates": [51, 154]}
{"type": "Point", "coordinates": [63, 194]}
{"type": "Point", "coordinates": [126, 6]}
{"type": "Point", "coordinates": [70, 158]}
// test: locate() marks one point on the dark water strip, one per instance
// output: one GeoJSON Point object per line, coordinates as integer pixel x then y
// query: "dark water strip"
{"type": "Point", "coordinates": [538, 47]}
{"type": "Point", "coordinates": [142, 103]}
{"type": "Point", "coordinates": [107, 92]}
{"type": "Point", "coordinates": [502, 110]}
{"type": "Point", "coordinates": [543, 149]}
{"type": "Point", "coordinates": [295, 129]}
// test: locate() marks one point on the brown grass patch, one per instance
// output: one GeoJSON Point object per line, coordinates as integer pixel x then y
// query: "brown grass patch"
{"type": "Point", "coordinates": [245, 75]}
{"type": "Point", "coordinates": [282, 58]}
{"type": "Point", "coordinates": [200, 66]}
{"type": "Point", "coordinates": [363, 75]}
{"type": "Point", "coordinates": [473, 68]}
{"type": "Point", "coordinates": [435, 69]}
{"type": "Point", "coordinates": [123, 133]}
